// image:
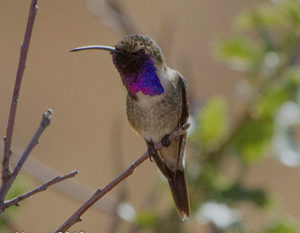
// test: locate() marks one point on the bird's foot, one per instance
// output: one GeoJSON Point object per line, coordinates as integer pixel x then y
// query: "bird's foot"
{"type": "Point", "coordinates": [151, 150]}
{"type": "Point", "coordinates": [165, 141]}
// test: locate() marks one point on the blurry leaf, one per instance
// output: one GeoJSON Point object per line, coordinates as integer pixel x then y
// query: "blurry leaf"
{"type": "Point", "coordinates": [204, 186]}
{"type": "Point", "coordinates": [272, 100]}
{"type": "Point", "coordinates": [213, 186]}
{"type": "Point", "coordinates": [278, 93]}
{"type": "Point", "coordinates": [291, 9]}
{"type": "Point", "coordinates": [292, 75]}
{"type": "Point", "coordinates": [3, 223]}
{"type": "Point", "coordinates": [207, 183]}
{"type": "Point", "coordinates": [253, 139]}
{"type": "Point", "coordinates": [238, 192]}
{"type": "Point", "coordinates": [169, 223]}
{"type": "Point", "coordinates": [282, 227]}
{"type": "Point", "coordinates": [146, 219]}
{"type": "Point", "coordinates": [212, 123]}
{"type": "Point", "coordinates": [263, 16]}
{"type": "Point", "coordinates": [19, 187]}
{"type": "Point", "coordinates": [239, 52]}
{"type": "Point", "coordinates": [283, 14]}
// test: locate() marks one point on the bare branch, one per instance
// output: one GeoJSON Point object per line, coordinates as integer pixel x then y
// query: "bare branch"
{"type": "Point", "coordinates": [72, 188]}
{"type": "Point", "coordinates": [6, 172]}
{"type": "Point", "coordinates": [43, 187]}
{"type": "Point", "coordinates": [76, 217]}
{"type": "Point", "coordinates": [46, 119]}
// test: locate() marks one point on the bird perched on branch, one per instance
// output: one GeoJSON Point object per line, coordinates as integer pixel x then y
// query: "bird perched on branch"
{"type": "Point", "coordinates": [156, 105]}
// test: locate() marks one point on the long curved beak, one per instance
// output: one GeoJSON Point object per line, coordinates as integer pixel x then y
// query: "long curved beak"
{"type": "Point", "coordinates": [102, 47]}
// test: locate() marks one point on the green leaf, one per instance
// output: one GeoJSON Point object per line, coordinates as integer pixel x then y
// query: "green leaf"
{"type": "Point", "coordinates": [19, 187]}
{"type": "Point", "coordinates": [3, 223]}
{"type": "Point", "coordinates": [292, 75]}
{"type": "Point", "coordinates": [271, 102]}
{"type": "Point", "coordinates": [264, 16]}
{"type": "Point", "coordinates": [212, 123]}
{"type": "Point", "coordinates": [282, 14]}
{"type": "Point", "coordinates": [291, 9]}
{"type": "Point", "coordinates": [253, 139]}
{"type": "Point", "coordinates": [239, 52]}
{"type": "Point", "coordinates": [282, 227]}
{"type": "Point", "coordinates": [277, 94]}
{"type": "Point", "coordinates": [146, 219]}
{"type": "Point", "coordinates": [237, 192]}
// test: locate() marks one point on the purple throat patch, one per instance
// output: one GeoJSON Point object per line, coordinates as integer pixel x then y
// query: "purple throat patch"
{"type": "Point", "coordinates": [144, 80]}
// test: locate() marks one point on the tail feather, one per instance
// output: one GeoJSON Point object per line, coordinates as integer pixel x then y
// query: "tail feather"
{"type": "Point", "coordinates": [180, 194]}
{"type": "Point", "coordinates": [176, 181]}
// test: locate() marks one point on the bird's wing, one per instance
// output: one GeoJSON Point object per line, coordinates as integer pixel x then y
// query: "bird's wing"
{"type": "Point", "coordinates": [183, 118]}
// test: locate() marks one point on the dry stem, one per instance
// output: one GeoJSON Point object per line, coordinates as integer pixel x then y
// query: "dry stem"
{"type": "Point", "coordinates": [46, 119]}
{"type": "Point", "coordinates": [43, 187]}
{"type": "Point", "coordinates": [76, 217]}
{"type": "Point", "coordinates": [6, 172]}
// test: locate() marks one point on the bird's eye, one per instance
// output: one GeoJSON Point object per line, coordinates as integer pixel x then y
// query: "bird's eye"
{"type": "Point", "coordinates": [142, 51]}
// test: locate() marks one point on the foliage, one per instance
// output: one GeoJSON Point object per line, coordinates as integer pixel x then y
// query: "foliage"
{"type": "Point", "coordinates": [266, 49]}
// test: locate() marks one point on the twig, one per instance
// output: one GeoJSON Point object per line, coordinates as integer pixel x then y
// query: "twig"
{"type": "Point", "coordinates": [43, 187]}
{"type": "Point", "coordinates": [72, 188]}
{"type": "Point", "coordinates": [76, 217]}
{"type": "Point", "coordinates": [6, 172]}
{"type": "Point", "coordinates": [46, 119]}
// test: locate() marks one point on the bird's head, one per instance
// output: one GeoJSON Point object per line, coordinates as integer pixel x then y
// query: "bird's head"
{"type": "Point", "coordinates": [131, 52]}
{"type": "Point", "coordinates": [137, 58]}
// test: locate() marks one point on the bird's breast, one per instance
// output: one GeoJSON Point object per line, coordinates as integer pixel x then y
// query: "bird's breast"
{"type": "Point", "coordinates": [154, 116]}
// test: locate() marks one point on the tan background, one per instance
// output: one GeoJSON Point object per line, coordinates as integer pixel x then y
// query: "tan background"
{"type": "Point", "coordinates": [87, 97]}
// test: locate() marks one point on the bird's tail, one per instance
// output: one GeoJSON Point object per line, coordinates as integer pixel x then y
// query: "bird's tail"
{"type": "Point", "coordinates": [176, 178]}
{"type": "Point", "coordinates": [180, 194]}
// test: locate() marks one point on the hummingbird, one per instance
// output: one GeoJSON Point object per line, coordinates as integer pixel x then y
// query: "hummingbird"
{"type": "Point", "coordinates": [156, 105]}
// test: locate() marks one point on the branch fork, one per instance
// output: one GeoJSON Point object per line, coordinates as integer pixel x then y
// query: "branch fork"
{"type": "Point", "coordinates": [8, 176]}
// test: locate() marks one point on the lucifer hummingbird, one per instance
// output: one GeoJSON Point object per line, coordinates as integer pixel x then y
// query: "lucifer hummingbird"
{"type": "Point", "coordinates": [156, 105]}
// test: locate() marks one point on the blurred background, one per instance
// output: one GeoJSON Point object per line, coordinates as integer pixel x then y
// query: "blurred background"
{"type": "Point", "coordinates": [240, 60]}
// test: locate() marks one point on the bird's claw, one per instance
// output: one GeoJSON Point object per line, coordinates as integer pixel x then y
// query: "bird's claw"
{"type": "Point", "coordinates": [151, 151]}
{"type": "Point", "coordinates": [165, 141]}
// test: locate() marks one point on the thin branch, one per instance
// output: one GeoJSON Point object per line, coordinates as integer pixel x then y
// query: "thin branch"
{"type": "Point", "coordinates": [72, 188]}
{"type": "Point", "coordinates": [46, 119]}
{"type": "Point", "coordinates": [43, 187]}
{"type": "Point", "coordinates": [76, 217]}
{"type": "Point", "coordinates": [6, 172]}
